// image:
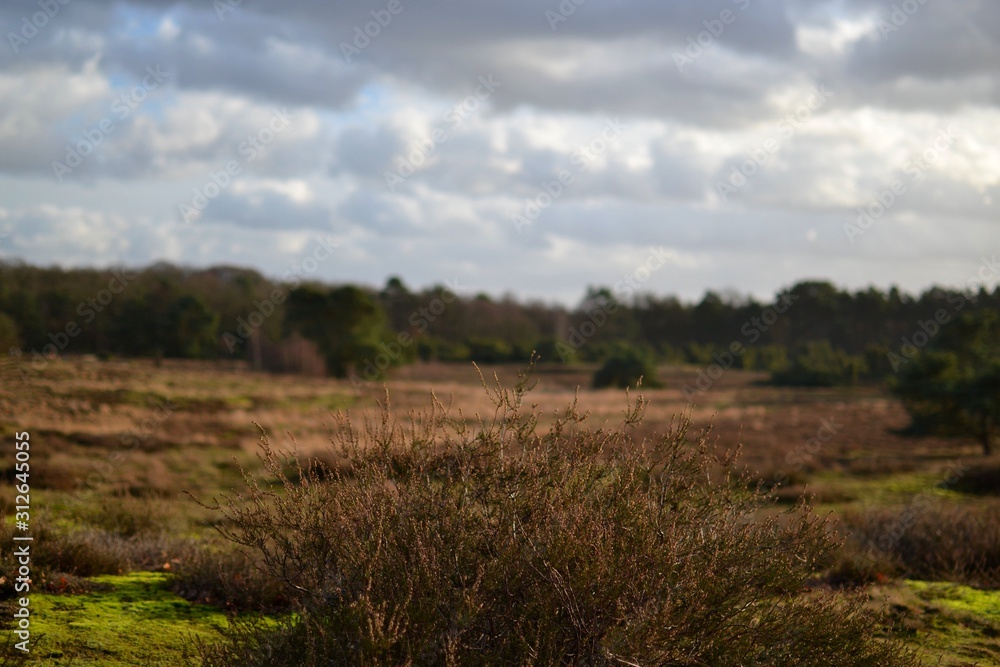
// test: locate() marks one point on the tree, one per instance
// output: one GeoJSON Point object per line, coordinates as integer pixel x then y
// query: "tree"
{"type": "Point", "coordinates": [348, 325]}
{"type": "Point", "coordinates": [9, 338]}
{"type": "Point", "coordinates": [191, 330]}
{"type": "Point", "coordinates": [399, 303]}
{"type": "Point", "coordinates": [953, 386]}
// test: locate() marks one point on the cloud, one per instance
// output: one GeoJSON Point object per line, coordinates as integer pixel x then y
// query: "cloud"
{"type": "Point", "coordinates": [697, 88]}
{"type": "Point", "coordinates": [268, 204]}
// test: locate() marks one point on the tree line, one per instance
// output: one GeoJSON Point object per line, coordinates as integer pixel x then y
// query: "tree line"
{"type": "Point", "coordinates": [810, 333]}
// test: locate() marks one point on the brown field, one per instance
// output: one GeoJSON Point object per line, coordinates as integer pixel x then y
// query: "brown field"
{"type": "Point", "coordinates": [126, 442]}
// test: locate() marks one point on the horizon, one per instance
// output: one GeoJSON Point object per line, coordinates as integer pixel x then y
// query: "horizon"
{"type": "Point", "coordinates": [728, 295]}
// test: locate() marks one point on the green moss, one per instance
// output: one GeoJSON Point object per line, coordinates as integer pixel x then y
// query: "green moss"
{"type": "Point", "coordinates": [964, 599]}
{"type": "Point", "coordinates": [320, 401]}
{"type": "Point", "coordinates": [882, 491]}
{"type": "Point", "coordinates": [955, 624]}
{"type": "Point", "coordinates": [239, 402]}
{"type": "Point", "coordinates": [137, 622]}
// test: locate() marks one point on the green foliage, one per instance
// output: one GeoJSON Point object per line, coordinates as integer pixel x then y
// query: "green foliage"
{"type": "Point", "coordinates": [953, 386]}
{"type": "Point", "coordinates": [769, 358]}
{"type": "Point", "coordinates": [625, 367]}
{"type": "Point", "coordinates": [877, 362]}
{"type": "Point", "coordinates": [431, 348]}
{"type": "Point", "coordinates": [347, 324]}
{"type": "Point", "coordinates": [699, 353]}
{"type": "Point", "coordinates": [136, 332]}
{"type": "Point", "coordinates": [191, 329]}
{"type": "Point", "coordinates": [9, 337]}
{"type": "Point", "coordinates": [488, 350]}
{"type": "Point", "coordinates": [164, 310]}
{"type": "Point", "coordinates": [554, 351]}
{"type": "Point", "coordinates": [817, 364]}
{"type": "Point", "coordinates": [22, 307]}
{"type": "Point", "coordinates": [443, 543]}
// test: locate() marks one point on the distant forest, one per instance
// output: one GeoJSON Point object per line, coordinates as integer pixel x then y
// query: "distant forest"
{"type": "Point", "coordinates": [236, 313]}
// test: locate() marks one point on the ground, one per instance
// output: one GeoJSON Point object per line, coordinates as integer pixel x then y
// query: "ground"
{"type": "Point", "coordinates": [122, 446]}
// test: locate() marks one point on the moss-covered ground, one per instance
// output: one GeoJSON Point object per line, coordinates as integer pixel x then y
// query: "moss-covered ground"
{"type": "Point", "coordinates": [131, 620]}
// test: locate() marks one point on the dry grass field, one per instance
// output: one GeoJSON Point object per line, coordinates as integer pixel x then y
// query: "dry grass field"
{"type": "Point", "coordinates": [118, 449]}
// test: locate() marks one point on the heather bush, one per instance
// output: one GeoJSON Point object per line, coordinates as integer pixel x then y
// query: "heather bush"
{"type": "Point", "coordinates": [509, 540]}
{"type": "Point", "coordinates": [927, 539]}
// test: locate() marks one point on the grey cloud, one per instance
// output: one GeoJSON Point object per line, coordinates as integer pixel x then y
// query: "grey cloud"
{"type": "Point", "coordinates": [936, 41]}
{"type": "Point", "coordinates": [261, 208]}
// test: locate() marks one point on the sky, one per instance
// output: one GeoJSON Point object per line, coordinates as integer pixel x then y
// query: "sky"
{"type": "Point", "coordinates": [522, 147]}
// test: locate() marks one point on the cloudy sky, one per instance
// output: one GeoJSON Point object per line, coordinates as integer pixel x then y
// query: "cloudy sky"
{"type": "Point", "coordinates": [517, 146]}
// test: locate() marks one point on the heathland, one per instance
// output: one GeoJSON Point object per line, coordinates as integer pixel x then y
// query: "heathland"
{"type": "Point", "coordinates": [135, 563]}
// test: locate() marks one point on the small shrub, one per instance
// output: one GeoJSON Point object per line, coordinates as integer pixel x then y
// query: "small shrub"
{"type": "Point", "coordinates": [980, 480]}
{"type": "Point", "coordinates": [770, 358]}
{"type": "Point", "coordinates": [505, 544]}
{"type": "Point", "coordinates": [625, 368]}
{"type": "Point", "coordinates": [930, 539]}
{"type": "Point", "coordinates": [489, 350]}
{"type": "Point", "coordinates": [9, 337]}
{"type": "Point", "coordinates": [554, 351]}
{"type": "Point", "coordinates": [127, 516]}
{"type": "Point", "coordinates": [60, 560]}
{"type": "Point", "coordinates": [818, 364]}
{"type": "Point", "coordinates": [231, 580]}
{"type": "Point", "coordinates": [430, 348]}
{"type": "Point", "coordinates": [855, 567]}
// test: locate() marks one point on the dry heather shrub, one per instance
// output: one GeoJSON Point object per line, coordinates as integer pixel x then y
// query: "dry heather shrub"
{"type": "Point", "coordinates": [106, 535]}
{"type": "Point", "coordinates": [60, 561]}
{"type": "Point", "coordinates": [228, 579]}
{"type": "Point", "coordinates": [494, 543]}
{"type": "Point", "coordinates": [927, 539]}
